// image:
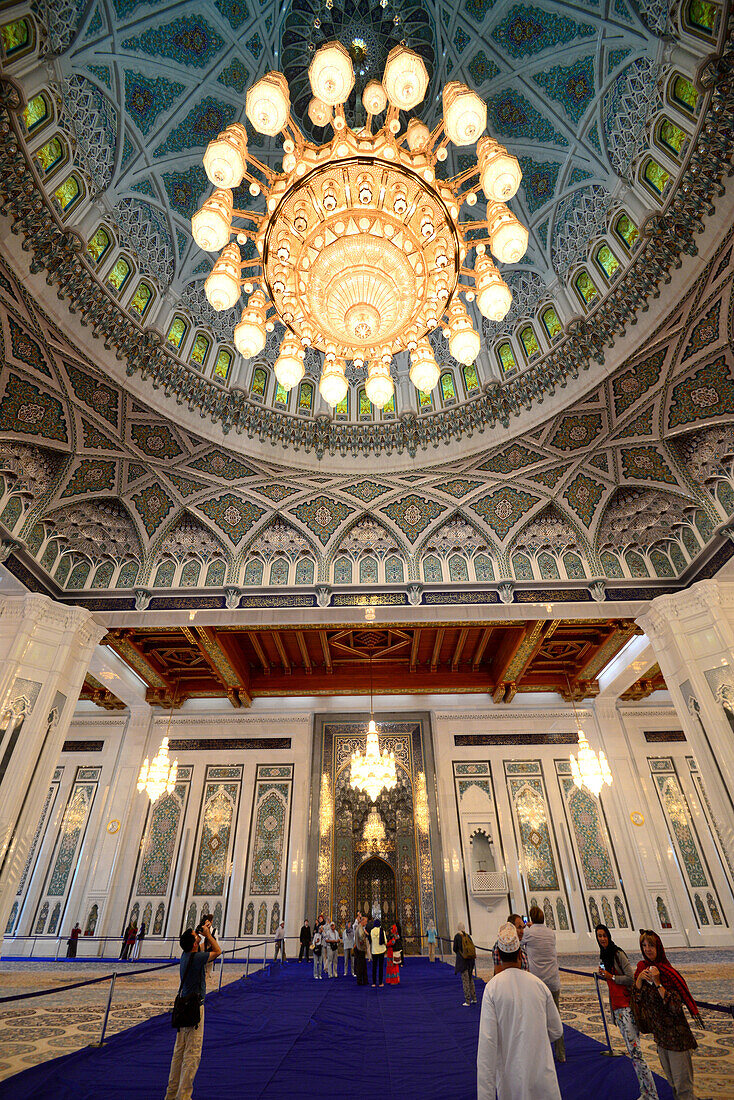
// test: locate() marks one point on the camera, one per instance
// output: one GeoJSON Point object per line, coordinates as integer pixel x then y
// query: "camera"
{"type": "Point", "coordinates": [200, 927]}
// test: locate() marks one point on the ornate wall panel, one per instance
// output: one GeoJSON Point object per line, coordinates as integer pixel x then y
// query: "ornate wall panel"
{"type": "Point", "coordinates": [30, 864]}
{"type": "Point", "coordinates": [539, 858]}
{"type": "Point", "coordinates": [217, 827]}
{"type": "Point", "coordinates": [268, 846]}
{"type": "Point", "coordinates": [67, 850]}
{"type": "Point", "coordinates": [686, 843]}
{"type": "Point", "coordinates": [159, 848]}
{"type": "Point", "coordinates": [598, 870]}
{"type": "Point", "coordinates": [697, 780]}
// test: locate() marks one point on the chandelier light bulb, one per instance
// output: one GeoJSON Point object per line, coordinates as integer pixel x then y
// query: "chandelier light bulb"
{"type": "Point", "coordinates": [464, 342]}
{"type": "Point", "coordinates": [212, 224]}
{"type": "Point", "coordinates": [589, 770]}
{"type": "Point", "coordinates": [289, 366]}
{"type": "Point", "coordinates": [268, 104]}
{"type": "Point", "coordinates": [222, 285]}
{"type": "Point", "coordinates": [225, 157]}
{"type": "Point", "coordinates": [499, 172]}
{"type": "Point", "coordinates": [374, 98]}
{"type": "Point", "coordinates": [333, 385]}
{"type": "Point", "coordinates": [508, 237]}
{"type": "Point", "coordinates": [319, 112]}
{"type": "Point", "coordinates": [331, 74]}
{"type": "Point", "coordinates": [405, 78]}
{"type": "Point", "coordinates": [249, 333]}
{"type": "Point", "coordinates": [493, 294]}
{"type": "Point", "coordinates": [424, 370]}
{"type": "Point", "coordinates": [464, 114]}
{"type": "Point", "coordinates": [379, 386]}
{"type": "Point", "coordinates": [417, 135]}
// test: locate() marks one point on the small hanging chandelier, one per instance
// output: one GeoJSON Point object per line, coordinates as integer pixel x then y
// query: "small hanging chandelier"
{"type": "Point", "coordinates": [590, 769]}
{"type": "Point", "coordinates": [374, 771]}
{"type": "Point", "coordinates": [374, 830]}
{"type": "Point", "coordinates": [160, 775]}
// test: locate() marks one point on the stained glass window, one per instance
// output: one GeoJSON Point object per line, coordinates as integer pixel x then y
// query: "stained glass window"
{"type": "Point", "coordinates": [119, 275]}
{"type": "Point", "coordinates": [522, 567]}
{"type": "Point", "coordinates": [458, 569]}
{"type": "Point", "coordinates": [305, 397]}
{"type": "Point", "coordinates": [636, 564]}
{"type": "Point", "coordinates": [215, 573]}
{"type": "Point", "coordinates": [432, 569]}
{"type": "Point", "coordinates": [35, 113]}
{"type": "Point", "coordinates": [684, 94]}
{"type": "Point", "coordinates": [200, 350]}
{"type": "Point", "coordinates": [279, 571]}
{"type": "Point", "coordinates": [15, 37]}
{"type": "Point", "coordinates": [471, 378]}
{"type": "Point", "coordinates": [394, 572]}
{"type": "Point", "coordinates": [190, 574]}
{"type": "Point", "coordinates": [626, 230]}
{"type": "Point", "coordinates": [425, 401]}
{"type": "Point", "coordinates": [448, 390]}
{"type": "Point", "coordinates": [141, 299]}
{"type": "Point", "coordinates": [365, 405]}
{"type": "Point", "coordinates": [388, 410]}
{"type": "Point", "coordinates": [673, 139]}
{"type": "Point", "coordinates": [610, 564]}
{"type": "Point", "coordinates": [548, 566]}
{"type": "Point", "coordinates": [254, 571]}
{"type": "Point", "coordinates": [574, 566]}
{"type": "Point", "coordinates": [585, 287]}
{"type": "Point", "coordinates": [483, 569]}
{"type": "Point", "coordinates": [655, 176]}
{"type": "Point", "coordinates": [98, 244]}
{"type": "Point", "coordinates": [49, 155]}
{"type": "Point", "coordinates": [368, 571]}
{"type": "Point", "coordinates": [281, 395]}
{"type": "Point", "coordinates": [342, 408]}
{"type": "Point", "coordinates": [702, 17]}
{"type": "Point", "coordinates": [177, 332]}
{"type": "Point", "coordinates": [607, 261]}
{"type": "Point", "coordinates": [551, 322]}
{"type": "Point", "coordinates": [223, 364]}
{"type": "Point", "coordinates": [259, 381]}
{"type": "Point", "coordinates": [506, 357]}
{"type": "Point", "coordinates": [342, 571]}
{"type": "Point", "coordinates": [529, 341]}
{"type": "Point", "coordinates": [305, 571]}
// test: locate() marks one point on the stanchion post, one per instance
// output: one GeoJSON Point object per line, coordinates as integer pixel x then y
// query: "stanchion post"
{"type": "Point", "coordinates": [107, 1010]}
{"type": "Point", "coordinates": [603, 1017]}
{"type": "Point", "coordinates": [247, 962]}
{"type": "Point", "coordinates": [58, 948]}
{"type": "Point", "coordinates": [221, 971]}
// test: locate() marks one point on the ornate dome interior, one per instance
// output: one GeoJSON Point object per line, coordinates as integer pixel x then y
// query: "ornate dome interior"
{"type": "Point", "coordinates": [590, 446]}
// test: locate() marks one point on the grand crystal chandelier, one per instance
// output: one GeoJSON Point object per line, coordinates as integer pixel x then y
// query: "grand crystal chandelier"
{"type": "Point", "coordinates": [158, 776]}
{"type": "Point", "coordinates": [373, 771]}
{"type": "Point", "coordinates": [360, 250]}
{"type": "Point", "coordinates": [590, 770]}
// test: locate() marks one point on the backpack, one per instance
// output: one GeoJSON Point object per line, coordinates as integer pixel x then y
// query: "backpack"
{"type": "Point", "coordinates": [468, 950]}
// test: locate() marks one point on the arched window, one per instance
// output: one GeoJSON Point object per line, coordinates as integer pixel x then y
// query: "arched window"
{"type": "Point", "coordinates": [62, 569]}
{"type": "Point", "coordinates": [506, 356]}
{"type": "Point", "coordinates": [448, 389]}
{"type": "Point", "coordinates": [79, 575]}
{"type": "Point", "coordinates": [636, 564]}
{"type": "Point", "coordinates": [99, 244]}
{"type": "Point", "coordinates": [190, 574]}
{"type": "Point", "coordinates": [223, 364]}
{"type": "Point", "coordinates": [259, 383]}
{"type": "Point", "coordinates": [305, 397]}
{"type": "Point", "coordinates": [522, 567]}
{"type": "Point", "coordinates": [483, 569]}
{"type": "Point", "coordinates": [69, 193]}
{"type": "Point", "coordinates": [661, 563]}
{"type": "Point", "coordinates": [626, 230]}
{"type": "Point", "coordinates": [676, 557]}
{"type": "Point", "coordinates": [164, 574]}
{"type": "Point", "coordinates": [51, 155]}
{"type": "Point", "coordinates": [254, 571]}
{"type": "Point", "coordinates": [701, 18]}
{"type": "Point", "coordinates": [342, 571]}
{"type": "Point", "coordinates": [103, 576]}
{"type": "Point", "coordinates": [654, 177]}
{"type": "Point", "coordinates": [585, 287]}
{"type": "Point", "coordinates": [672, 139]}
{"type": "Point", "coordinates": [119, 275]}
{"type": "Point", "coordinates": [200, 350]}
{"type": "Point", "coordinates": [529, 341]}
{"type": "Point", "coordinates": [388, 409]}
{"type": "Point", "coordinates": [682, 93]}
{"type": "Point", "coordinates": [17, 38]}
{"type": "Point", "coordinates": [305, 571]}
{"type": "Point", "coordinates": [367, 571]}
{"type": "Point", "coordinates": [342, 409]}
{"type": "Point", "coordinates": [141, 299]}
{"type": "Point", "coordinates": [607, 261]}
{"type": "Point", "coordinates": [364, 405]}
{"type": "Point", "coordinates": [574, 566]}
{"type": "Point", "coordinates": [128, 575]}
{"type": "Point", "coordinates": [458, 569]}
{"type": "Point", "coordinates": [548, 566]}
{"type": "Point", "coordinates": [551, 322]}
{"type": "Point", "coordinates": [279, 571]}
{"type": "Point", "coordinates": [36, 113]}
{"type": "Point", "coordinates": [177, 332]}
{"type": "Point", "coordinates": [281, 395]}
{"type": "Point", "coordinates": [471, 379]}
{"type": "Point", "coordinates": [394, 572]}
{"type": "Point", "coordinates": [425, 401]}
{"type": "Point", "coordinates": [432, 569]}
{"type": "Point", "coordinates": [611, 565]}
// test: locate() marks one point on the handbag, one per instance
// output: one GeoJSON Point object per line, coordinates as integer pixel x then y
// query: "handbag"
{"type": "Point", "coordinates": [186, 1010]}
{"type": "Point", "coordinates": [640, 1013]}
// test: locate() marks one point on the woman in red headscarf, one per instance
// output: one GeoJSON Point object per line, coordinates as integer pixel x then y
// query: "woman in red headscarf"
{"type": "Point", "coordinates": [658, 995]}
{"type": "Point", "coordinates": [394, 956]}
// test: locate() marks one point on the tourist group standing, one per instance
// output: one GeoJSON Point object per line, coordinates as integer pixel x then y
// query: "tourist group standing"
{"type": "Point", "coordinates": [363, 941]}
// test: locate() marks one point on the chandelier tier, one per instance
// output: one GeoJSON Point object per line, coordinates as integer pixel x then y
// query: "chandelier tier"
{"type": "Point", "coordinates": [158, 776]}
{"type": "Point", "coordinates": [374, 771]}
{"type": "Point", "coordinates": [590, 770]}
{"type": "Point", "coordinates": [360, 250]}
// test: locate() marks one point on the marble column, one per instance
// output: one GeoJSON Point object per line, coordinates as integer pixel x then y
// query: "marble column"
{"type": "Point", "coordinates": [692, 633]}
{"type": "Point", "coordinates": [45, 650]}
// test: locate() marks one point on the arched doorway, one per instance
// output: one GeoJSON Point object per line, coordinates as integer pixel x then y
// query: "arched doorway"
{"type": "Point", "coordinates": [374, 890]}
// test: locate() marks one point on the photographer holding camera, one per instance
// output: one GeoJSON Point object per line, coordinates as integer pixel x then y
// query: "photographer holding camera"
{"type": "Point", "coordinates": [187, 1051]}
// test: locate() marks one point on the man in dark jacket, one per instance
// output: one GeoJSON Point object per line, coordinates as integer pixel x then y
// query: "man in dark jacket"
{"type": "Point", "coordinates": [466, 956]}
{"type": "Point", "coordinates": [305, 938]}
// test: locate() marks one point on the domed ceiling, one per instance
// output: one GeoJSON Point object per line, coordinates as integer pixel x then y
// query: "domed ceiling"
{"type": "Point", "coordinates": [576, 93]}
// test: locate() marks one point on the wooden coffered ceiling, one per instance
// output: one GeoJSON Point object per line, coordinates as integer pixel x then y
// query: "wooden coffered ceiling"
{"type": "Point", "coordinates": [652, 680]}
{"type": "Point", "coordinates": [501, 659]}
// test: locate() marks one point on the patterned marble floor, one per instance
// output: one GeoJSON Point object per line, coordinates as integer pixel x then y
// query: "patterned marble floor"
{"type": "Point", "coordinates": [36, 1030]}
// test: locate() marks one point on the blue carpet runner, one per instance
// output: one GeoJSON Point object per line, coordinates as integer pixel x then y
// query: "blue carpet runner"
{"type": "Point", "coordinates": [289, 1037]}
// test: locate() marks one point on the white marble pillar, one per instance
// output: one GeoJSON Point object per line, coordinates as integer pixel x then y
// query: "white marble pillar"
{"type": "Point", "coordinates": [45, 650]}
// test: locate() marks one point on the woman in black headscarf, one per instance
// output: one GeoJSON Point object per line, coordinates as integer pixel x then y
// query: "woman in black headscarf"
{"type": "Point", "coordinates": [616, 968]}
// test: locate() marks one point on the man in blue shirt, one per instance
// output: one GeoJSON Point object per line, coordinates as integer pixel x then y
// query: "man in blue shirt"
{"type": "Point", "coordinates": [187, 1051]}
